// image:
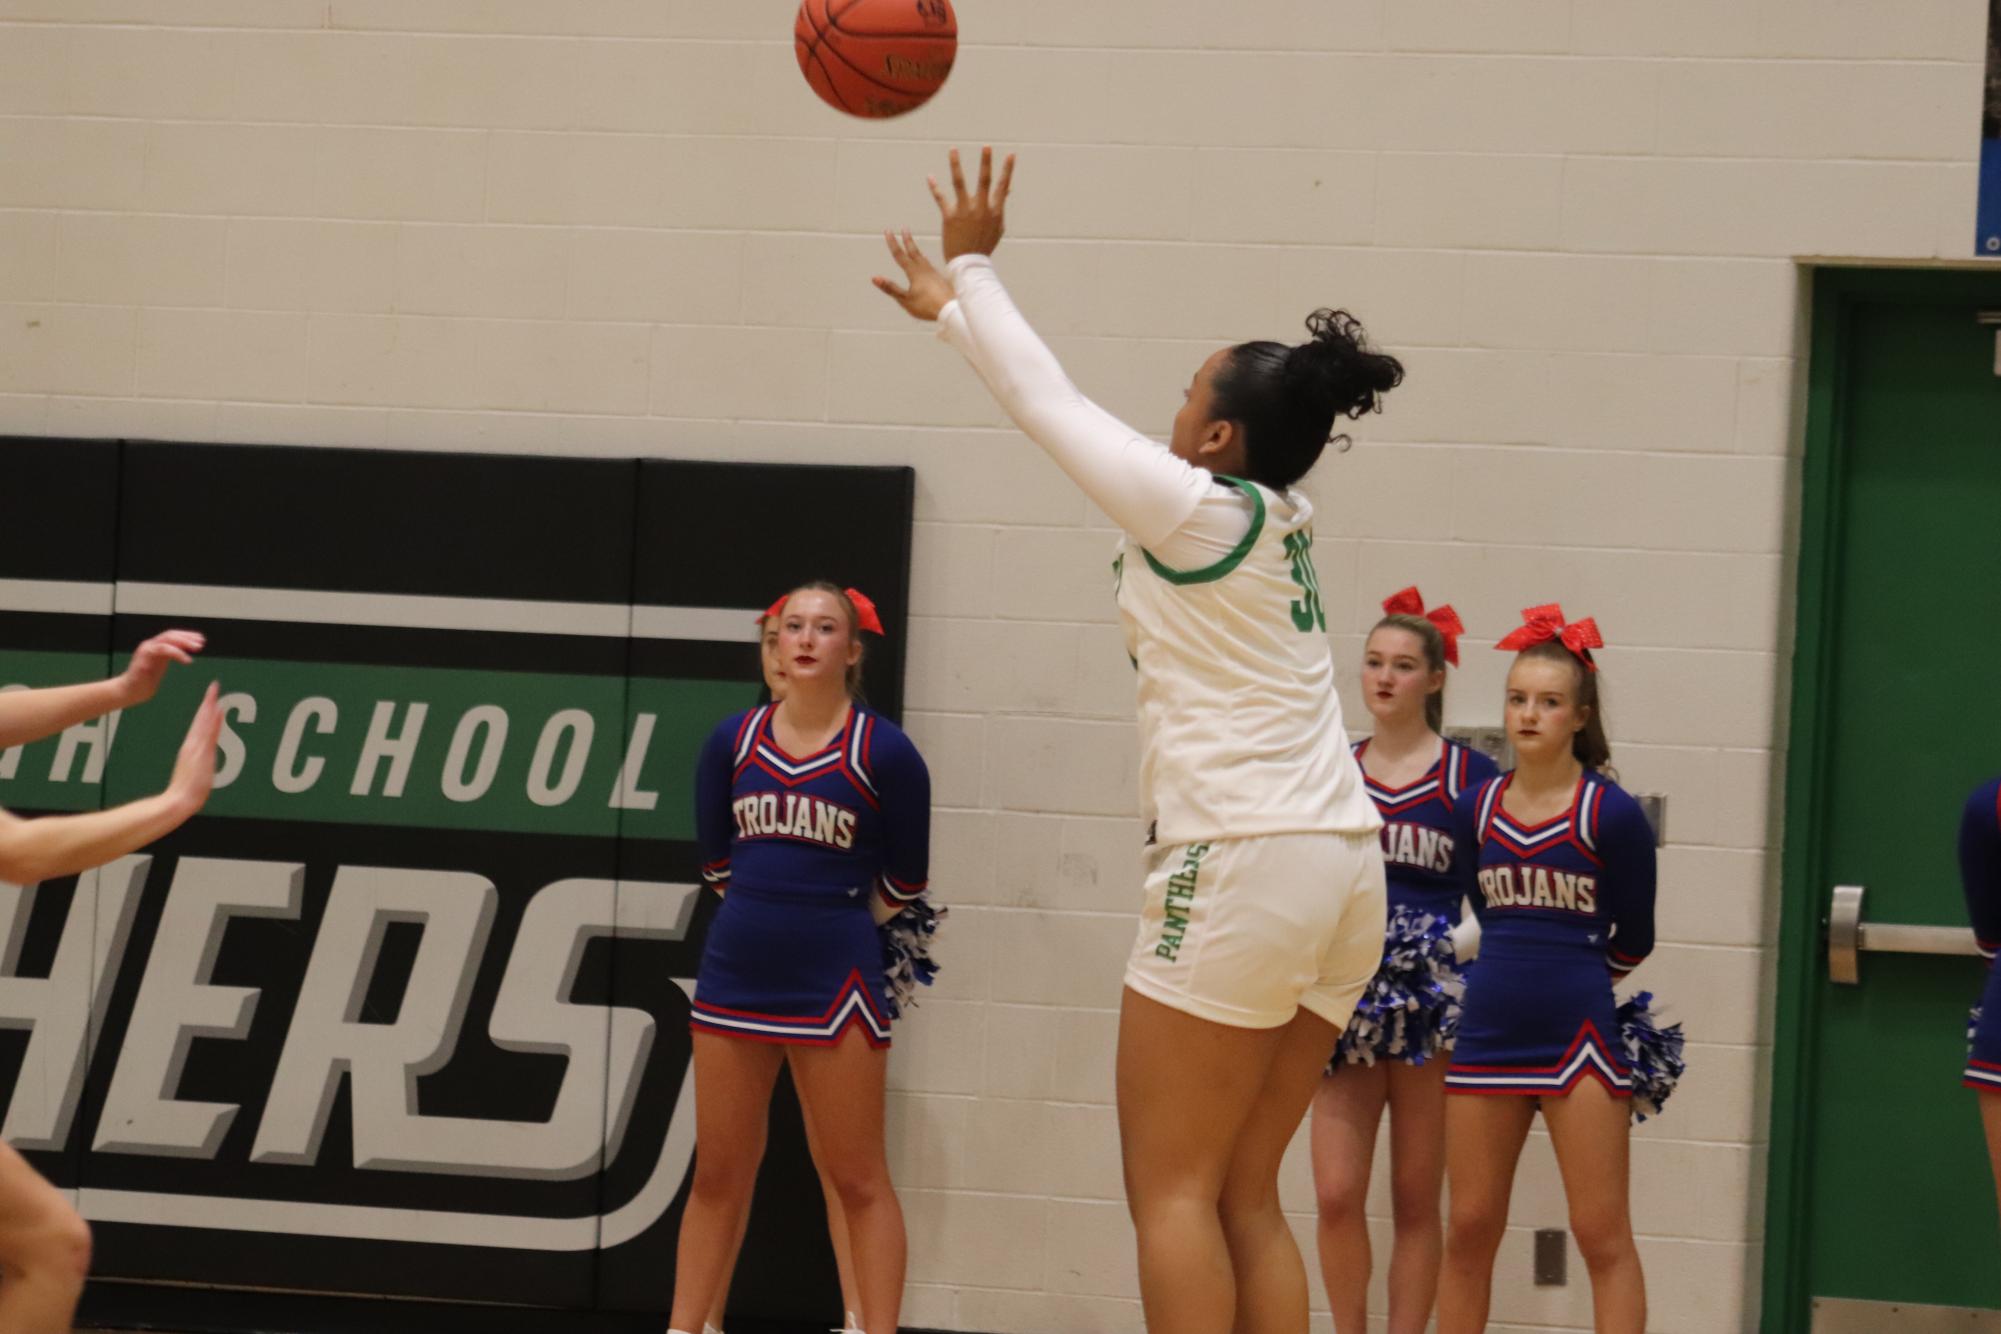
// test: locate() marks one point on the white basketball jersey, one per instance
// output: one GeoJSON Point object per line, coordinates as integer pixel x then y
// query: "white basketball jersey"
{"type": "Point", "coordinates": [1240, 727]}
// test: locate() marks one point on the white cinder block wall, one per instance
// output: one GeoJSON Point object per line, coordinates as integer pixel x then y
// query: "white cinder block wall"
{"type": "Point", "coordinates": [624, 226]}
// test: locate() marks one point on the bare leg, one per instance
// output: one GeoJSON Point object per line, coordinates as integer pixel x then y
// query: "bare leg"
{"type": "Point", "coordinates": [1347, 1109]}
{"type": "Point", "coordinates": [716, 1310]}
{"type": "Point", "coordinates": [1186, 1088]}
{"type": "Point", "coordinates": [733, 1080]}
{"type": "Point", "coordinates": [1271, 1279]}
{"type": "Point", "coordinates": [837, 1233]}
{"type": "Point", "coordinates": [1592, 1131]}
{"type": "Point", "coordinates": [1483, 1142]}
{"type": "Point", "coordinates": [1417, 1180]}
{"type": "Point", "coordinates": [837, 1223]}
{"type": "Point", "coordinates": [841, 1088]}
{"type": "Point", "coordinates": [44, 1251]}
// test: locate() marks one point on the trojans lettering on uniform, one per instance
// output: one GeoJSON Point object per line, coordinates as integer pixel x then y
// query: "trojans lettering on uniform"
{"type": "Point", "coordinates": [1418, 846]}
{"type": "Point", "coordinates": [794, 815]}
{"type": "Point", "coordinates": [1526, 885]}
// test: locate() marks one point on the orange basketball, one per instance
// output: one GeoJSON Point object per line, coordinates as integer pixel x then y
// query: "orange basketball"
{"type": "Point", "coordinates": [875, 58]}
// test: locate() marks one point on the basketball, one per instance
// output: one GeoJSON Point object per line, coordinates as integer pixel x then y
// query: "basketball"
{"type": "Point", "coordinates": [875, 58]}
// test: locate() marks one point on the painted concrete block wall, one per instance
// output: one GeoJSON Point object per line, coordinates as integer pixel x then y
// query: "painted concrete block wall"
{"type": "Point", "coordinates": [624, 226]}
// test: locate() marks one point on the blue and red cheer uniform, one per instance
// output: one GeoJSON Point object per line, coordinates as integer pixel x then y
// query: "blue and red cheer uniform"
{"type": "Point", "coordinates": [1566, 908]}
{"type": "Point", "coordinates": [801, 846]}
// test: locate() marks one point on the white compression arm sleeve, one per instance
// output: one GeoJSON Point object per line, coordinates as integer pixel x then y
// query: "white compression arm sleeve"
{"type": "Point", "coordinates": [1147, 491]}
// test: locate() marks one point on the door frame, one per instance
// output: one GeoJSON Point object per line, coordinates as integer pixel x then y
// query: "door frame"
{"type": "Point", "coordinates": [1836, 295]}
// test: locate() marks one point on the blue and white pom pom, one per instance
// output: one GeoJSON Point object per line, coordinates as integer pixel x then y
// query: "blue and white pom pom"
{"type": "Point", "coordinates": [906, 952]}
{"type": "Point", "coordinates": [1410, 1009]}
{"type": "Point", "coordinates": [1973, 1027]}
{"type": "Point", "coordinates": [1653, 1053]}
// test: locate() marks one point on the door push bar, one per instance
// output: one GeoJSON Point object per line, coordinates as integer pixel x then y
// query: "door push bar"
{"type": "Point", "coordinates": [1848, 936]}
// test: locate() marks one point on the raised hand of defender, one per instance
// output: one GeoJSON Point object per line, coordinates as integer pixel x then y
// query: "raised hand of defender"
{"type": "Point", "coordinates": [927, 291]}
{"type": "Point", "coordinates": [194, 767]}
{"type": "Point", "coordinates": [151, 659]}
{"type": "Point", "coordinates": [973, 221]}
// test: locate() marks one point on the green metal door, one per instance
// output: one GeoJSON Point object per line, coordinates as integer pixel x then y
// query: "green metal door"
{"type": "Point", "coordinates": [1881, 1201]}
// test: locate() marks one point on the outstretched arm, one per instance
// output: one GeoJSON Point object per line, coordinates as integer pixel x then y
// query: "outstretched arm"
{"type": "Point", "coordinates": [30, 715]}
{"type": "Point", "coordinates": [1146, 490]}
{"type": "Point", "coordinates": [57, 845]}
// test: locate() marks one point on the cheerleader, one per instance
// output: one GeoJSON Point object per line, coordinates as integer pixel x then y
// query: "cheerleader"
{"type": "Point", "coordinates": [1263, 909]}
{"type": "Point", "coordinates": [1407, 1015]}
{"type": "Point", "coordinates": [837, 1223]}
{"type": "Point", "coordinates": [1980, 875]}
{"type": "Point", "coordinates": [44, 1243]}
{"type": "Point", "coordinates": [813, 817]}
{"type": "Point", "coordinates": [1563, 883]}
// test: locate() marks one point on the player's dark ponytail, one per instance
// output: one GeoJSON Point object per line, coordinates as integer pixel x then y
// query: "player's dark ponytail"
{"type": "Point", "coordinates": [1589, 745]}
{"type": "Point", "coordinates": [1286, 399]}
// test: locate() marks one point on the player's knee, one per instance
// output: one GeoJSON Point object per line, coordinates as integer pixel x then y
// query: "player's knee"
{"type": "Point", "coordinates": [726, 1171]}
{"type": "Point", "coordinates": [56, 1250]}
{"type": "Point", "coordinates": [1249, 1199]}
{"type": "Point", "coordinates": [1154, 1194]}
{"type": "Point", "coordinates": [71, 1248]}
{"type": "Point", "coordinates": [1476, 1226]}
{"type": "Point", "coordinates": [1341, 1199]}
{"type": "Point", "coordinates": [1604, 1238]}
{"type": "Point", "coordinates": [861, 1185]}
{"type": "Point", "coordinates": [1161, 1212]}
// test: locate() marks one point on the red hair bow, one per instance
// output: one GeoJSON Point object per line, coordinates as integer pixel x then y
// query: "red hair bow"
{"type": "Point", "coordinates": [865, 613]}
{"type": "Point", "coordinates": [1545, 623]}
{"type": "Point", "coordinates": [1409, 602]}
{"type": "Point", "coordinates": [774, 608]}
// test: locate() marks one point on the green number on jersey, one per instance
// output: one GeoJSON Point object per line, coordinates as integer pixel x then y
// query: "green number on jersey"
{"type": "Point", "coordinates": [1306, 611]}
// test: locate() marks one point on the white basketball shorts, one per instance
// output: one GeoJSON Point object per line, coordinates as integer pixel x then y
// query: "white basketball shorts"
{"type": "Point", "coordinates": [1245, 931]}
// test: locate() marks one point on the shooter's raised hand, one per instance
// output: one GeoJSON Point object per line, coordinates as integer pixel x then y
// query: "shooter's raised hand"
{"type": "Point", "coordinates": [926, 291]}
{"type": "Point", "coordinates": [973, 221]}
